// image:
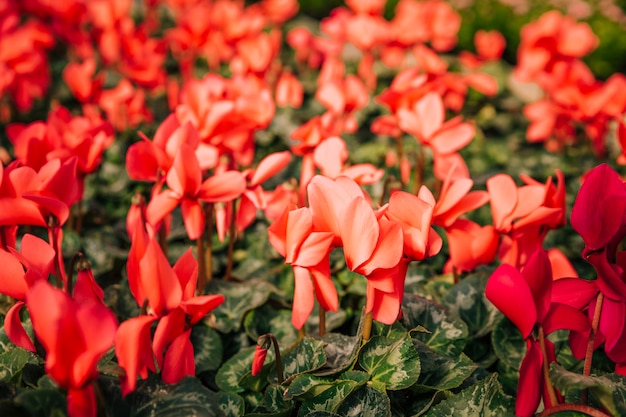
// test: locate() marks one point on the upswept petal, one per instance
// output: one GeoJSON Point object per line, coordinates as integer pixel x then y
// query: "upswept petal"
{"type": "Point", "coordinates": [159, 281]}
{"type": "Point", "coordinates": [599, 208]}
{"type": "Point", "coordinates": [302, 297]}
{"type": "Point", "coordinates": [222, 187]}
{"type": "Point", "coordinates": [330, 155]}
{"type": "Point", "coordinates": [141, 162]}
{"type": "Point", "coordinates": [327, 202]}
{"type": "Point", "coordinates": [509, 292]}
{"type": "Point", "coordinates": [193, 218]}
{"type": "Point", "coordinates": [452, 192]}
{"type": "Point", "coordinates": [161, 205]}
{"type": "Point", "coordinates": [315, 247]}
{"type": "Point", "coordinates": [529, 384]}
{"type": "Point", "coordinates": [431, 113]}
{"type": "Point", "coordinates": [15, 330]}
{"type": "Point", "coordinates": [186, 269]}
{"type": "Point", "coordinates": [452, 139]}
{"type": "Point", "coordinates": [184, 177]}
{"type": "Point", "coordinates": [179, 360]}
{"type": "Point", "coordinates": [97, 325]}
{"type": "Point", "coordinates": [198, 307]}
{"type": "Point", "coordinates": [388, 250]}
{"type": "Point", "coordinates": [503, 199]}
{"type": "Point", "coordinates": [269, 166]}
{"type": "Point", "coordinates": [564, 317]}
{"type": "Point", "coordinates": [574, 292]}
{"type": "Point", "coordinates": [169, 328]}
{"type": "Point", "coordinates": [12, 282]}
{"type": "Point", "coordinates": [37, 254]}
{"type": "Point", "coordinates": [298, 226]}
{"type": "Point", "coordinates": [14, 211]}
{"type": "Point", "coordinates": [538, 275]}
{"type": "Point", "coordinates": [325, 291]}
{"type": "Point", "coordinates": [359, 232]}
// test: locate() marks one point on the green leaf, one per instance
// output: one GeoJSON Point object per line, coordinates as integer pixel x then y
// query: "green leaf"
{"type": "Point", "coordinates": [240, 298]}
{"type": "Point", "coordinates": [330, 399]}
{"type": "Point", "coordinates": [207, 347]}
{"type": "Point", "coordinates": [306, 356]}
{"type": "Point", "coordinates": [609, 390]}
{"type": "Point", "coordinates": [275, 400]}
{"type": "Point", "coordinates": [307, 386]}
{"type": "Point", "coordinates": [365, 401]}
{"type": "Point", "coordinates": [448, 334]}
{"type": "Point", "coordinates": [441, 372]}
{"type": "Point", "coordinates": [270, 320]}
{"type": "Point", "coordinates": [231, 373]}
{"type": "Point", "coordinates": [394, 363]}
{"type": "Point", "coordinates": [42, 402]}
{"type": "Point", "coordinates": [484, 399]}
{"type": "Point", "coordinates": [187, 398]}
{"type": "Point", "coordinates": [232, 405]}
{"type": "Point", "coordinates": [467, 300]}
{"type": "Point", "coordinates": [341, 352]}
{"type": "Point", "coordinates": [11, 364]}
{"type": "Point", "coordinates": [508, 344]}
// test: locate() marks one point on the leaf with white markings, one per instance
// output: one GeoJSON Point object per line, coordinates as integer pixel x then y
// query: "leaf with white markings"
{"type": "Point", "coordinates": [394, 363]}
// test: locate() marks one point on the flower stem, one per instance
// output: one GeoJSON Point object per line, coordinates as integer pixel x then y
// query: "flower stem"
{"type": "Point", "coordinates": [584, 396]}
{"type": "Point", "coordinates": [53, 235]}
{"type": "Point", "coordinates": [208, 250]}
{"type": "Point", "coordinates": [70, 277]}
{"type": "Point", "coordinates": [201, 265]}
{"type": "Point", "coordinates": [546, 370]}
{"type": "Point", "coordinates": [322, 321]}
{"type": "Point", "coordinates": [420, 159]}
{"type": "Point", "coordinates": [232, 236]}
{"type": "Point", "coordinates": [367, 327]}
{"type": "Point", "coordinates": [163, 239]}
{"type": "Point", "coordinates": [279, 362]}
{"type": "Point", "coordinates": [585, 409]}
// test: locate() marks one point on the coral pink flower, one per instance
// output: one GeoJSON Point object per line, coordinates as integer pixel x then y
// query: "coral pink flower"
{"type": "Point", "coordinates": [75, 335]}
{"type": "Point", "coordinates": [187, 189]}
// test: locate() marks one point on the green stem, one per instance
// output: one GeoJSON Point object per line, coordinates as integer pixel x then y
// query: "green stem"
{"type": "Point", "coordinates": [279, 362]}
{"type": "Point", "coordinates": [584, 396]}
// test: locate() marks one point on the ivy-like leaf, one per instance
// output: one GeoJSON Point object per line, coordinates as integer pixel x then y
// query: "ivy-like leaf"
{"type": "Point", "coordinates": [330, 399]}
{"type": "Point", "coordinates": [275, 400]}
{"type": "Point", "coordinates": [42, 402]}
{"type": "Point", "coordinates": [232, 405]}
{"type": "Point", "coordinates": [394, 363]}
{"type": "Point", "coordinates": [186, 398]}
{"type": "Point", "coordinates": [270, 320]}
{"type": "Point", "coordinates": [483, 399]}
{"type": "Point", "coordinates": [306, 356]}
{"type": "Point", "coordinates": [239, 300]}
{"type": "Point", "coordinates": [448, 334]}
{"type": "Point", "coordinates": [365, 401]}
{"type": "Point", "coordinates": [441, 372]}
{"type": "Point", "coordinates": [11, 364]}
{"type": "Point", "coordinates": [508, 344]}
{"type": "Point", "coordinates": [608, 390]}
{"type": "Point", "coordinates": [341, 352]}
{"type": "Point", "coordinates": [467, 300]}
{"type": "Point", "coordinates": [234, 369]}
{"type": "Point", "coordinates": [207, 347]}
